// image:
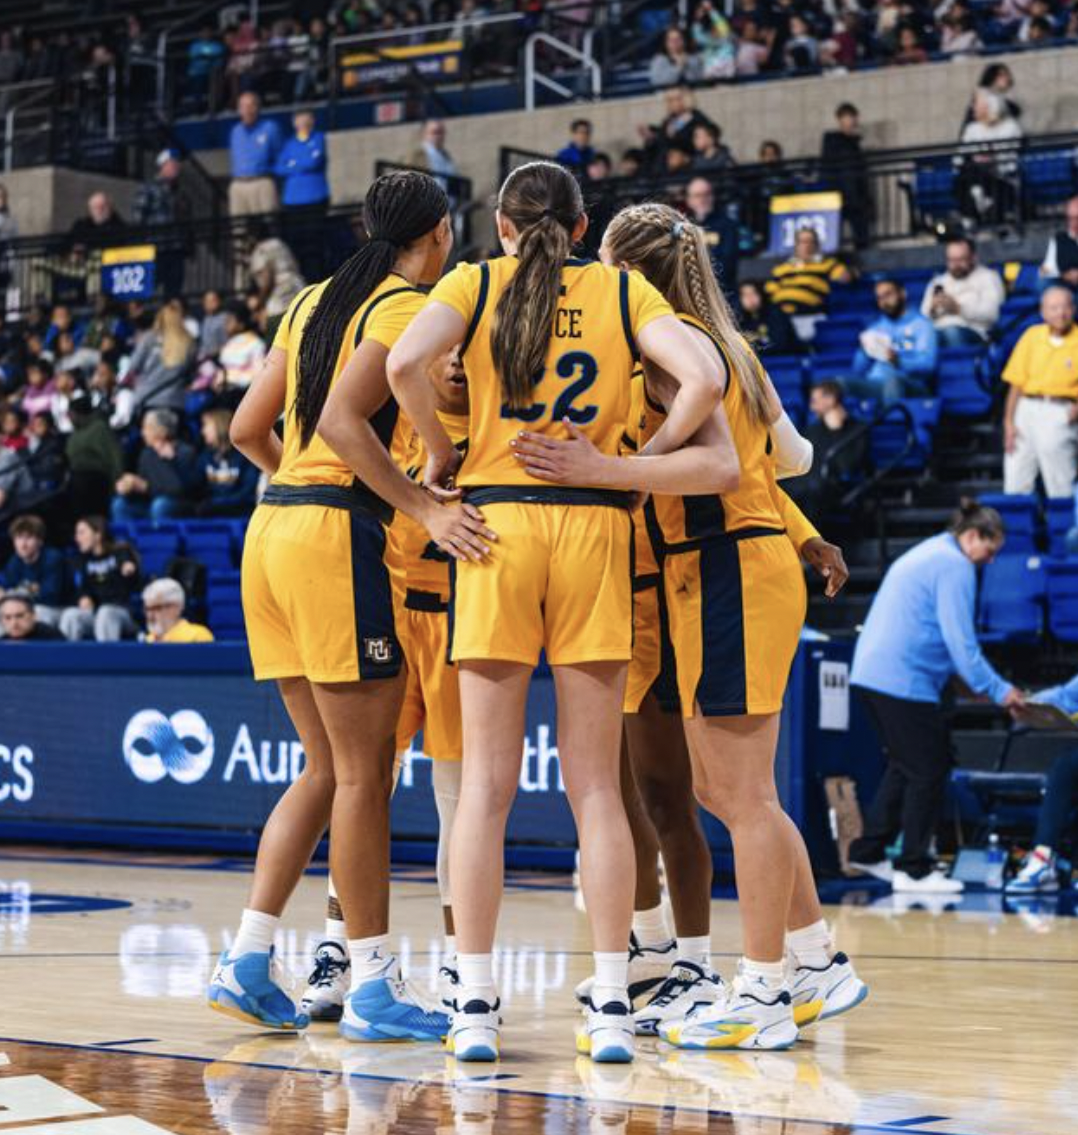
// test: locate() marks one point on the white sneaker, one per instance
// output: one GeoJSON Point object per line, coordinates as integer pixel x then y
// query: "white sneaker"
{"type": "Point", "coordinates": [328, 983]}
{"type": "Point", "coordinates": [821, 993]}
{"type": "Point", "coordinates": [883, 870]}
{"type": "Point", "coordinates": [474, 1031]}
{"type": "Point", "coordinates": [607, 1034]}
{"type": "Point", "coordinates": [749, 1015]}
{"type": "Point", "coordinates": [936, 883]}
{"type": "Point", "coordinates": [688, 986]}
{"type": "Point", "coordinates": [649, 967]}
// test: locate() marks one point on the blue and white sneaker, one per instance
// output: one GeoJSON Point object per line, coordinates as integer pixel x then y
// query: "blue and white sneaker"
{"type": "Point", "coordinates": [387, 1008]}
{"type": "Point", "coordinates": [248, 988]}
{"type": "Point", "coordinates": [1038, 875]}
{"type": "Point", "coordinates": [475, 1031]}
{"type": "Point", "coordinates": [448, 986]}
{"type": "Point", "coordinates": [749, 1015]}
{"type": "Point", "coordinates": [608, 1033]}
{"type": "Point", "coordinates": [688, 986]}
{"type": "Point", "coordinates": [818, 994]}
{"type": "Point", "coordinates": [328, 983]}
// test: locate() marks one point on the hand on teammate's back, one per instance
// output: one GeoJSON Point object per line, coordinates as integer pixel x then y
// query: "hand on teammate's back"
{"type": "Point", "coordinates": [569, 461]}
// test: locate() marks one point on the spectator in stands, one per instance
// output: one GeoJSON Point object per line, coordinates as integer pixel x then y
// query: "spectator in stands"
{"type": "Point", "coordinates": [161, 364]}
{"type": "Point", "coordinates": [161, 201]}
{"type": "Point", "coordinates": [715, 42]}
{"type": "Point", "coordinates": [958, 34]}
{"type": "Point", "coordinates": [107, 575]}
{"type": "Point", "coordinates": [254, 144]}
{"type": "Point", "coordinates": [911, 49]}
{"type": "Point", "coordinates": [40, 386]}
{"type": "Point", "coordinates": [801, 50]}
{"type": "Point", "coordinates": [674, 64]}
{"type": "Point", "coordinates": [167, 476]}
{"type": "Point", "coordinates": [801, 285]}
{"type": "Point", "coordinates": [997, 78]}
{"type": "Point", "coordinates": [720, 232]}
{"type": "Point", "coordinates": [205, 63]}
{"type": "Point", "coordinates": [34, 570]}
{"type": "Point", "coordinates": [275, 274]}
{"type": "Point", "coordinates": [669, 146]}
{"type": "Point", "coordinates": [229, 481]}
{"type": "Point", "coordinates": [965, 301]}
{"type": "Point", "coordinates": [843, 164]}
{"type": "Point", "coordinates": [213, 330]}
{"type": "Point", "coordinates": [163, 600]}
{"type": "Point", "coordinates": [13, 435]}
{"type": "Point", "coordinates": [48, 463]}
{"type": "Point", "coordinates": [1061, 259]}
{"type": "Point", "coordinates": [919, 633]}
{"type": "Point", "coordinates": [579, 152]}
{"type": "Point", "coordinates": [898, 352]}
{"type": "Point", "coordinates": [432, 155]}
{"type": "Point", "coordinates": [1040, 419]}
{"type": "Point", "coordinates": [94, 457]}
{"type": "Point", "coordinates": [986, 182]}
{"type": "Point", "coordinates": [102, 226]}
{"type": "Point", "coordinates": [9, 227]}
{"type": "Point", "coordinates": [709, 155]}
{"type": "Point", "coordinates": [833, 468]}
{"type": "Point", "coordinates": [242, 355]}
{"type": "Point", "coordinates": [767, 327]}
{"type": "Point", "coordinates": [301, 166]}
{"type": "Point", "coordinates": [754, 47]}
{"type": "Point", "coordinates": [19, 623]}
{"type": "Point", "coordinates": [16, 483]}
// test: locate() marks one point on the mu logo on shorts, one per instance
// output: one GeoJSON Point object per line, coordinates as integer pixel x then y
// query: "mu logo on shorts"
{"type": "Point", "coordinates": [378, 649]}
{"type": "Point", "coordinates": [180, 746]}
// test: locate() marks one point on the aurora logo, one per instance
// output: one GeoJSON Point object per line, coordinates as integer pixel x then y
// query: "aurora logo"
{"type": "Point", "coordinates": [180, 746]}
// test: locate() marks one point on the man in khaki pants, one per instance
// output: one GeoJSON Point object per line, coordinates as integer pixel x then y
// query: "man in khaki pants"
{"type": "Point", "coordinates": [1040, 422]}
{"type": "Point", "coordinates": [254, 145]}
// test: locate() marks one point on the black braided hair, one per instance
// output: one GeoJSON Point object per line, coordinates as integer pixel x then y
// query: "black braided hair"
{"type": "Point", "coordinates": [400, 208]}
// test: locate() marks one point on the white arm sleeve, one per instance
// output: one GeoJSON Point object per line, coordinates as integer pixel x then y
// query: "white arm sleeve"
{"type": "Point", "coordinates": [792, 452]}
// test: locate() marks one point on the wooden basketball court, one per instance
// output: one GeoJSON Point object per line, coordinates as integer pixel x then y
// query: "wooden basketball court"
{"type": "Point", "coordinates": [969, 1028]}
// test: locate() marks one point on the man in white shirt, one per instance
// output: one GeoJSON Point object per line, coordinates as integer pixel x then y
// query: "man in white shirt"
{"type": "Point", "coordinates": [1061, 258]}
{"type": "Point", "coordinates": [965, 301]}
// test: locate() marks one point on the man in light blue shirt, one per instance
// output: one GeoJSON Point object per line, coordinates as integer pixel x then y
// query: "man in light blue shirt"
{"type": "Point", "coordinates": [898, 353]}
{"type": "Point", "coordinates": [253, 144]}
{"type": "Point", "coordinates": [920, 633]}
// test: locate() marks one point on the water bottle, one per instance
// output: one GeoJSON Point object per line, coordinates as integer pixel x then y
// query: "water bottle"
{"type": "Point", "coordinates": [993, 875]}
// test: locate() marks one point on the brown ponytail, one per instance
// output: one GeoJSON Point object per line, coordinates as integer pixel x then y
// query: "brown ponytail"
{"type": "Point", "coordinates": [544, 203]}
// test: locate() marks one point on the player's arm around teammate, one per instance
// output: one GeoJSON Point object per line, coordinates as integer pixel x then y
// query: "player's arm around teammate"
{"type": "Point", "coordinates": [319, 616]}
{"type": "Point", "coordinates": [541, 330]}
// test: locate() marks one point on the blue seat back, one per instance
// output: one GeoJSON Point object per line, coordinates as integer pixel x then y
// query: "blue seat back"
{"type": "Point", "coordinates": [1011, 604]}
{"type": "Point", "coordinates": [1062, 595]}
{"type": "Point", "coordinates": [1021, 519]}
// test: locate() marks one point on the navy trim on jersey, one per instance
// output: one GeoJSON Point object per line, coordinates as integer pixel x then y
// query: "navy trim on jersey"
{"type": "Point", "coordinates": [546, 494]}
{"type": "Point", "coordinates": [480, 304]}
{"type": "Point", "coordinates": [626, 320]}
{"type": "Point", "coordinates": [373, 304]}
{"type": "Point", "coordinates": [298, 303]}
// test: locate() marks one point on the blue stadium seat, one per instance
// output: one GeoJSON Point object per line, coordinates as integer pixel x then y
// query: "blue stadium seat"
{"type": "Point", "coordinates": [212, 543]}
{"type": "Point", "coordinates": [788, 369]}
{"type": "Point", "coordinates": [830, 365]}
{"type": "Point", "coordinates": [888, 439]}
{"type": "Point", "coordinates": [1047, 177]}
{"type": "Point", "coordinates": [838, 335]}
{"type": "Point", "coordinates": [1020, 517]}
{"type": "Point", "coordinates": [1011, 606]}
{"type": "Point", "coordinates": [224, 604]}
{"type": "Point", "coordinates": [959, 383]}
{"type": "Point", "coordinates": [934, 189]}
{"type": "Point", "coordinates": [1062, 595]}
{"type": "Point", "coordinates": [157, 545]}
{"type": "Point", "coordinates": [1059, 518]}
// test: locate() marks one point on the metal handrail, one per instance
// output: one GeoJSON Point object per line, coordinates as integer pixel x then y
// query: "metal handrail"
{"type": "Point", "coordinates": [861, 490]}
{"type": "Point", "coordinates": [533, 79]}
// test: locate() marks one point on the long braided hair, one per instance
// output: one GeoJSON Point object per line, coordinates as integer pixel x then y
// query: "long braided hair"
{"type": "Point", "coordinates": [543, 201]}
{"type": "Point", "coordinates": [400, 208]}
{"type": "Point", "coordinates": [673, 254]}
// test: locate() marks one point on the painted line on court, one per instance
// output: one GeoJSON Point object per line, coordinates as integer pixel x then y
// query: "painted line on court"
{"type": "Point", "coordinates": [916, 1121]}
{"type": "Point", "coordinates": [135, 1040]}
{"type": "Point", "coordinates": [443, 1083]}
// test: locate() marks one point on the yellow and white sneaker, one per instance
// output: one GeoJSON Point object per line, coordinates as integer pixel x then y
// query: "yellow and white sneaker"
{"type": "Point", "coordinates": [749, 1015]}
{"type": "Point", "coordinates": [608, 1033]}
{"type": "Point", "coordinates": [688, 987]}
{"type": "Point", "coordinates": [474, 1031]}
{"type": "Point", "coordinates": [818, 994]}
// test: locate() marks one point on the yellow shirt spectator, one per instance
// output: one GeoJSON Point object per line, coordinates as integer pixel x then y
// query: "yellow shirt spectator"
{"type": "Point", "coordinates": [1043, 364]}
{"type": "Point", "coordinates": [183, 632]}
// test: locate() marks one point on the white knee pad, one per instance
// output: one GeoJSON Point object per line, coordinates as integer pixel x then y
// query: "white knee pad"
{"type": "Point", "coordinates": [445, 777]}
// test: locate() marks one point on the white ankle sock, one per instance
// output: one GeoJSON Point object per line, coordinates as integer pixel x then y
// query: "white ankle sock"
{"type": "Point", "coordinates": [652, 927]}
{"type": "Point", "coordinates": [476, 978]}
{"type": "Point", "coordinates": [335, 931]}
{"type": "Point", "coordinates": [370, 957]}
{"type": "Point", "coordinates": [772, 974]}
{"type": "Point", "coordinates": [449, 957]}
{"type": "Point", "coordinates": [1043, 852]}
{"type": "Point", "coordinates": [696, 950]}
{"type": "Point", "coordinates": [811, 945]}
{"type": "Point", "coordinates": [255, 935]}
{"type": "Point", "coordinates": [611, 978]}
